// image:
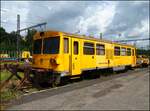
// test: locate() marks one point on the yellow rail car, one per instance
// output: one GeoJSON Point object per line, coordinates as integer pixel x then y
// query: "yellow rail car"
{"type": "Point", "coordinates": [66, 54]}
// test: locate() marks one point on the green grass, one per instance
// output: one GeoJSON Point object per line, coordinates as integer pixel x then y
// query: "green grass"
{"type": "Point", "coordinates": [1, 63]}
{"type": "Point", "coordinates": [5, 74]}
{"type": "Point", "coordinates": [8, 94]}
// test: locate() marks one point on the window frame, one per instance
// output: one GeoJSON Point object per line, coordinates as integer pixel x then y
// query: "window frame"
{"type": "Point", "coordinates": [86, 48]}
{"type": "Point", "coordinates": [99, 49]}
{"type": "Point", "coordinates": [75, 52]}
{"type": "Point", "coordinates": [123, 51]}
{"type": "Point", "coordinates": [66, 48]}
{"type": "Point", "coordinates": [34, 47]}
{"type": "Point", "coordinates": [128, 49]}
{"type": "Point", "coordinates": [116, 51]}
{"type": "Point", "coordinates": [58, 49]}
{"type": "Point", "coordinates": [133, 52]}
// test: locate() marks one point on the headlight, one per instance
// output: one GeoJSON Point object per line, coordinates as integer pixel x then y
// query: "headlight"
{"type": "Point", "coordinates": [53, 61]}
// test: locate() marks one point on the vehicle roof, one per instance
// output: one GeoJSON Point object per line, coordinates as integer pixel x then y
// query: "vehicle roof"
{"type": "Point", "coordinates": [84, 37]}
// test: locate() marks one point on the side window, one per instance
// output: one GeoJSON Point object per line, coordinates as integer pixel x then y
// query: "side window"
{"type": "Point", "coordinates": [123, 51]}
{"type": "Point", "coordinates": [133, 52]}
{"type": "Point", "coordinates": [100, 49]}
{"type": "Point", "coordinates": [66, 45]}
{"type": "Point", "coordinates": [128, 52]}
{"type": "Point", "coordinates": [117, 51]}
{"type": "Point", "coordinates": [76, 46]}
{"type": "Point", "coordinates": [88, 48]}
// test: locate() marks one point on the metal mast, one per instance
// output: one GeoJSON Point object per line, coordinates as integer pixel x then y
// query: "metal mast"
{"type": "Point", "coordinates": [18, 34]}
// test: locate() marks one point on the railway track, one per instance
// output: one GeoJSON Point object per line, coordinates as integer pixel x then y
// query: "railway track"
{"type": "Point", "coordinates": [74, 85]}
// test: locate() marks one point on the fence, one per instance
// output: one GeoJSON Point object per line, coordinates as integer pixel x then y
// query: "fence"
{"type": "Point", "coordinates": [11, 54]}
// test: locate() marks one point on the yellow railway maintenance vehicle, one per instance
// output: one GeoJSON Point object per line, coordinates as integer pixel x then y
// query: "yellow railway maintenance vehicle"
{"type": "Point", "coordinates": [60, 54]}
{"type": "Point", "coordinates": [142, 61]}
{"type": "Point", "coordinates": [26, 55]}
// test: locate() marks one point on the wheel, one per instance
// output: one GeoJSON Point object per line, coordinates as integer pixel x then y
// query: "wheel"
{"type": "Point", "coordinates": [56, 80]}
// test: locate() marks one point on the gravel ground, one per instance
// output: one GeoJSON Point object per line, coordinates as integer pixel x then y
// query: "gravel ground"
{"type": "Point", "coordinates": [130, 92]}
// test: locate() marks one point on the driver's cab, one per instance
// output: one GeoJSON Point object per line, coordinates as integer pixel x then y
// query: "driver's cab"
{"type": "Point", "coordinates": [47, 50]}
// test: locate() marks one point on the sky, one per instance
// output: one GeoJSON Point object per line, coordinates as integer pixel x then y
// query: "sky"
{"type": "Point", "coordinates": [117, 20]}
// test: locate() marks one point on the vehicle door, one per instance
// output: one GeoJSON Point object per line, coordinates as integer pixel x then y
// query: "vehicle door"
{"type": "Point", "coordinates": [75, 54]}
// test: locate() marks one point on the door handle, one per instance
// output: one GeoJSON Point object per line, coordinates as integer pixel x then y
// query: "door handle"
{"type": "Point", "coordinates": [108, 61]}
{"type": "Point", "coordinates": [92, 57]}
{"type": "Point", "coordinates": [75, 58]}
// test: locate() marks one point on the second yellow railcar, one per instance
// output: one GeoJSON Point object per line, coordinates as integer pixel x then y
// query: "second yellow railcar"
{"type": "Point", "coordinates": [142, 61]}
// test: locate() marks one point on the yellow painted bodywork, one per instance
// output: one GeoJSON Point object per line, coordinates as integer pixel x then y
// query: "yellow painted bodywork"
{"type": "Point", "coordinates": [75, 64]}
{"type": "Point", "coordinates": [26, 54]}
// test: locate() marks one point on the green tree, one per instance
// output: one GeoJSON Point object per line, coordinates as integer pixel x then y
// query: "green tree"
{"type": "Point", "coordinates": [29, 39]}
{"type": "Point", "coordinates": [8, 41]}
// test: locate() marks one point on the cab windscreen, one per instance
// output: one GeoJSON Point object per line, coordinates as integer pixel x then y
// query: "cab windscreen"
{"type": "Point", "coordinates": [37, 45]}
{"type": "Point", "coordinates": [51, 45]}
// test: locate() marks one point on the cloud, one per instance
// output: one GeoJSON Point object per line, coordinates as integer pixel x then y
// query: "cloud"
{"type": "Point", "coordinates": [97, 19]}
{"type": "Point", "coordinates": [10, 9]}
{"type": "Point", "coordinates": [63, 16]}
{"type": "Point", "coordinates": [141, 30]}
{"type": "Point", "coordinates": [128, 18]}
